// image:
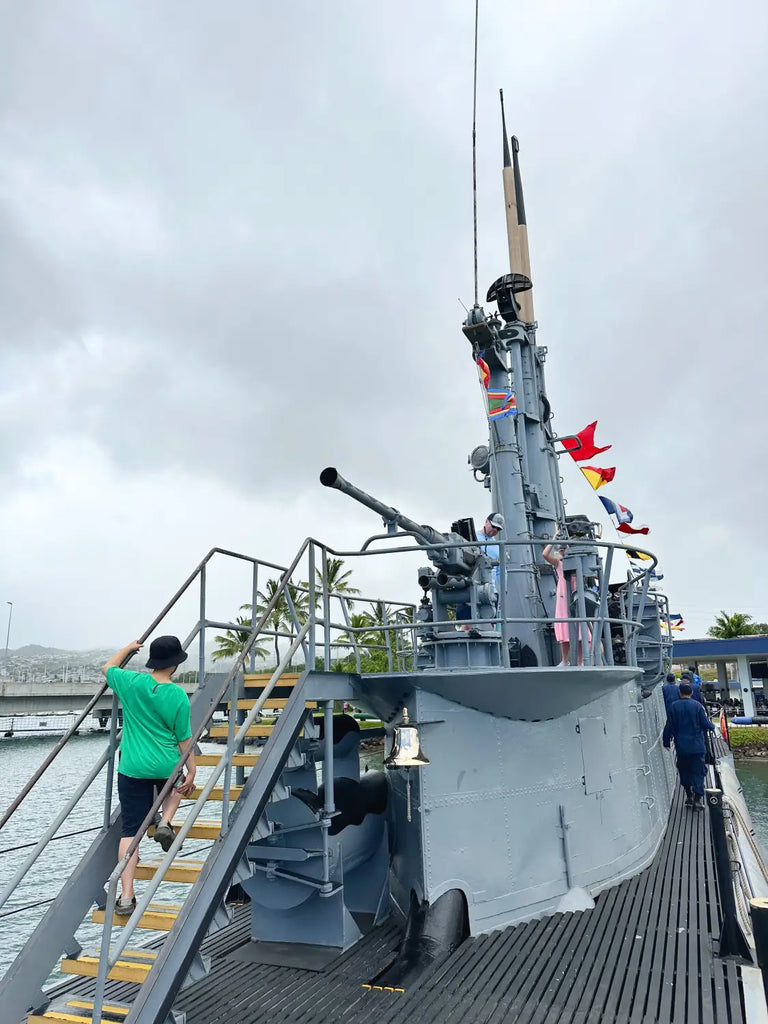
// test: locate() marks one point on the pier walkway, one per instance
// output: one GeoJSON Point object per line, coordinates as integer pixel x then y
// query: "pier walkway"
{"type": "Point", "coordinates": [646, 954]}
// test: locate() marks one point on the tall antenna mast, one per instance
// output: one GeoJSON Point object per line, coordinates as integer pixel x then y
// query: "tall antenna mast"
{"type": "Point", "coordinates": [517, 228]}
{"type": "Point", "coordinates": [474, 144]}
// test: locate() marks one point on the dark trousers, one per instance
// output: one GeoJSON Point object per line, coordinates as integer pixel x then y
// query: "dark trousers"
{"type": "Point", "coordinates": [692, 770]}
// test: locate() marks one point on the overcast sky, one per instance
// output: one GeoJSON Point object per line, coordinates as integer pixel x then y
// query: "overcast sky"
{"type": "Point", "coordinates": [233, 240]}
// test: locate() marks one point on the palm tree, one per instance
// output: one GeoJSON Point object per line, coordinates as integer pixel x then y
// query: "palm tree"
{"type": "Point", "coordinates": [338, 581]}
{"type": "Point", "coordinates": [727, 626]}
{"type": "Point", "coordinates": [280, 619]}
{"type": "Point", "coordinates": [232, 642]}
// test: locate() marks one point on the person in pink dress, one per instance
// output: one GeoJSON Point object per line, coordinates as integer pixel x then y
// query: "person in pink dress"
{"type": "Point", "coordinates": [553, 553]}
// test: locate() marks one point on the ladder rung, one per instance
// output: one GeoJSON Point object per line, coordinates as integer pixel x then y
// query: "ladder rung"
{"type": "Point", "coordinates": [124, 970]}
{"type": "Point", "coordinates": [179, 871]}
{"type": "Point", "coordinates": [157, 917]}
{"type": "Point", "coordinates": [239, 760]}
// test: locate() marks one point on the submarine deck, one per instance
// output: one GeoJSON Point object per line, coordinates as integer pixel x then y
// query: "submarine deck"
{"type": "Point", "coordinates": [646, 953]}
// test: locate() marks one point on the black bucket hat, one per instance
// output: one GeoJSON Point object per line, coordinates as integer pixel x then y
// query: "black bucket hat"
{"type": "Point", "coordinates": [165, 651]}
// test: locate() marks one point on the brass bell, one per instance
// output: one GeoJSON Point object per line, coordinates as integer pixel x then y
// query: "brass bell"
{"type": "Point", "coordinates": [406, 747]}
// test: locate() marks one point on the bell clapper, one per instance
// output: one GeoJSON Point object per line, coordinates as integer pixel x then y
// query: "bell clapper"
{"type": "Point", "coordinates": [408, 794]}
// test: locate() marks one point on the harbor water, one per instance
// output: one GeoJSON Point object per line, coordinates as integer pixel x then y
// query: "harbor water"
{"type": "Point", "coordinates": [20, 756]}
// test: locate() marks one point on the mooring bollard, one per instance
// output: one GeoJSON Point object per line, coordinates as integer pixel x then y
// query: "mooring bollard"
{"type": "Point", "coordinates": [758, 911]}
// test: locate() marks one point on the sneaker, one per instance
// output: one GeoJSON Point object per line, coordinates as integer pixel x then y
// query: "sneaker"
{"type": "Point", "coordinates": [164, 835]}
{"type": "Point", "coordinates": [124, 907]}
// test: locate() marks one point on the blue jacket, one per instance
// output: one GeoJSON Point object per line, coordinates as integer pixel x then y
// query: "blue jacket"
{"type": "Point", "coordinates": [687, 722]}
{"type": "Point", "coordinates": [671, 694]}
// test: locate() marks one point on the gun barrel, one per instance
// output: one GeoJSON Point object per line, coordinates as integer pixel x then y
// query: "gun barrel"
{"type": "Point", "coordinates": [330, 477]}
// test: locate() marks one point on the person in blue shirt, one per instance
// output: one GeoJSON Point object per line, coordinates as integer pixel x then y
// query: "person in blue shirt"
{"type": "Point", "coordinates": [670, 691]}
{"type": "Point", "coordinates": [492, 527]}
{"type": "Point", "coordinates": [687, 724]}
{"type": "Point", "coordinates": [691, 679]}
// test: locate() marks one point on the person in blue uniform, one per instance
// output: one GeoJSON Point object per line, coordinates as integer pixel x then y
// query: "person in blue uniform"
{"type": "Point", "coordinates": [670, 691]}
{"type": "Point", "coordinates": [687, 724]}
{"type": "Point", "coordinates": [691, 679]}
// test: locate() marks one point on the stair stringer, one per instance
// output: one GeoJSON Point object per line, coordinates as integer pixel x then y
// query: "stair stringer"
{"type": "Point", "coordinates": [157, 994]}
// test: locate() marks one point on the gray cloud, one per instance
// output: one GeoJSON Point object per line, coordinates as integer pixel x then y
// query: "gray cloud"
{"type": "Point", "coordinates": [233, 241]}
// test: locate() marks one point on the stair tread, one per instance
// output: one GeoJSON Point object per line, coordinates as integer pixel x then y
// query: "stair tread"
{"type": "Point", "coordinates": [178, 871]}
{"type": "Point", "coordinates": [114, 1008]}
{"type": "Point", "coordinates": [263, 729]}
{"type": "Point", "coordinates": [132, 966]}
{"type": "Point", "coordinates": [217, 793]}
{"type": "Point", "coordinates": [239, 760]}
{"type": "Point", "coordinates": [157, 917]}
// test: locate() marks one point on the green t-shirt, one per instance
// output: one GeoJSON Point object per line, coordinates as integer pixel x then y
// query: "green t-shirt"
{"type": "Point", "coordinates": [155, 721]}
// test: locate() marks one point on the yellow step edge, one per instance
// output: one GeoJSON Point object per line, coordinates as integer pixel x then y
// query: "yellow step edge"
{"type": "Point", "coordinates": [246, 703]}
{"type": "Point", "coordinates": [157, 918]}
{"type": "Point", "coordinates": [57, 1017]}
{"type": "Point", "coordinates": [239, 760]}
{"type": "Point", "coordinates": [257, 678]}
{"type": "Point", "coordinates": [124, 970]}
{"type": "Point", "coordinates": [217, 793]}
{"type": "Point", "coordinates": [179, 870]}
{"type": "Point", "coordinates": [253, 730]}
{"type": "Point", "coordinates": [118, 1011]}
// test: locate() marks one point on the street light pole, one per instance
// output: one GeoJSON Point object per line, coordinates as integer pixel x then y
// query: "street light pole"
{"type": "Point", "coordinates": [8, 634]}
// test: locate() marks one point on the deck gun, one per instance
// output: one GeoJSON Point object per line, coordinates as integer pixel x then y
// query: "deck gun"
{"type": "Point", "coordinates": [463, 571]}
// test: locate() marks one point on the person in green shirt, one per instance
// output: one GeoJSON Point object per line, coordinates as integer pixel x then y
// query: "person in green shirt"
{"type": "Point", "coordinates": [156, 728]}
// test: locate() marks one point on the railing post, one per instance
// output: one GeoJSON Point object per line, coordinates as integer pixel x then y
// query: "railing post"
{"type": "Point", "coordinates": [732, 940]}
{"type": "Point", "coordinates": [111, 762]}
{"type": "Point", "coordinates": [254, 603]}
{"type": "Point", "coordinates": [326, 616]}
{"type": "Point", "coordinates": [312, 605]}
{"type": "Point", "coordinates": [201, 634]}
{"type": "Point", "coordinates": [329, 805]}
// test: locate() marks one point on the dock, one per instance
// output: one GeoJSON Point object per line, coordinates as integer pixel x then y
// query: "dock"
{"type": "Point", "coordinates": [646, 953]}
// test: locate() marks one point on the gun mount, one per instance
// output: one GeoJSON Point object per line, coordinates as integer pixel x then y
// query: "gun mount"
{"type": "Point", "coordinates": [463, 577]}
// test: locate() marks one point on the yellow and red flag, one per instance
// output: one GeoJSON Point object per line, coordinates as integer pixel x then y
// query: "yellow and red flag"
{"type": "Point", "coordinates": [597, 476]}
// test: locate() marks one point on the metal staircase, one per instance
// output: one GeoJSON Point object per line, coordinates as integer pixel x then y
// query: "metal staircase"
{"type": "Point", "coordinates": [242, 785]}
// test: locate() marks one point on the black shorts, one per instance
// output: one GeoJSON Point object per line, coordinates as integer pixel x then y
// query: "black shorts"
{"type": "Point", "coordinates": [136, 799]}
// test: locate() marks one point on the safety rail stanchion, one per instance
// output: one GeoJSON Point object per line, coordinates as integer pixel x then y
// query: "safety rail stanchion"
{"type": "Point", "coordinates": [326, 614]}
{"type": "Point", "coordinates": [385, 632]}
{"type": "Point", "coordinates": [201, 641]}
{"type": "Point", "coordinates": [111, 762]}
{"type": "Point", "coordinates": [143, 903]}
{"type": "Point", "coordinates": [329, 806]}
{"type": "Point", "coordinates": [312, 602]}
{"type": "Point", "coordinates": [233, 709]}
